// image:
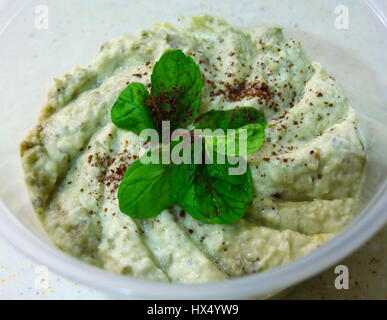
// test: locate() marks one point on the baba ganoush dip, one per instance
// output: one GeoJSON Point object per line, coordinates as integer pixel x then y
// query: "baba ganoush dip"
{"type": "Point", "coordinates": [306, 177]}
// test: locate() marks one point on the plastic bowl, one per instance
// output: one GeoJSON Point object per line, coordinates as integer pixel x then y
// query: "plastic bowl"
{"type": "Point", "coordinates": [30, 57]}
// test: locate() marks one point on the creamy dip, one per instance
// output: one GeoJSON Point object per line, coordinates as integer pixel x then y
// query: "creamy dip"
{"type": "Point", "coordinates": [306, 176]}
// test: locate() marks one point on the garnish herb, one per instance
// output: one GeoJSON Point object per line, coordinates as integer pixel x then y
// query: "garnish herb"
{"type": "Point", "coordinates": [217, 197]}
{"type": "Point", "coordinates": [143, 184]}
{"type": "Point", "coordinates": [230, 119]}
{"type": "Point", "coordinates": [176, 90]}
{"type": "Point", "coordinates": [130, 111]}
{"type": "Point", "coordinates": [207, 192]}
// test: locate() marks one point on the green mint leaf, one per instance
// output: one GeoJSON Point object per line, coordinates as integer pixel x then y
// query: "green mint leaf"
{"type": "Point", "coordinates": [130, 111]}
{"type": "Point", "coordinates": [148, 189]}
{"type": "Point", "coordinates": [240, 142]}
{"type": "Point", "coordinates": [215, 197]}
{"type": "Point", "coordinates": [230, 119]}
{"type": "Point", "coordinates": [176, 90]}
{"type": "Point", "coordinates": [255, 137]}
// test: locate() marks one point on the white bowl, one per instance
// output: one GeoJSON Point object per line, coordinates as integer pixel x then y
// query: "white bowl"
{"type": "Point", "coordinates": [30, 57]}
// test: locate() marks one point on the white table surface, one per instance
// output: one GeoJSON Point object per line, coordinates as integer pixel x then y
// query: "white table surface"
{"type": "Point", "coordinates": [18, 277]}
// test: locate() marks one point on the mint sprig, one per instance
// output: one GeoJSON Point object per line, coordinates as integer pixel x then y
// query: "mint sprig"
{"type": "Point", "coordinates": [247, 119]}
{"type": "Point", "coordinates": [207, 192]}
{"type": "Point", "coordinates": [176, 90]}
{"type": "Point", "coordinates": [252, 136]}
{"type": "Point", "coordinates": [146, 190]}
{"type": "Point", "coordinates": [216, 197]}
{"type": "Point", "coordinates": [130, 110]}
{"type": "Point", "coordinates": [229, 119]}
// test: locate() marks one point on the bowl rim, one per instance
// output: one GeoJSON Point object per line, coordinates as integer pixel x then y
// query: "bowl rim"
{"type": "Point", "coordinates": [261, 284]}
